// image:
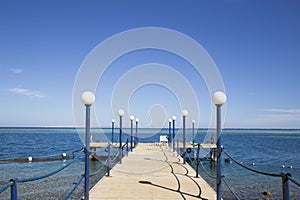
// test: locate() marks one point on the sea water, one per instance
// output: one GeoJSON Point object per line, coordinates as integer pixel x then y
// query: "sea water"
{"type": "Point", "coordinates": [264, 150]}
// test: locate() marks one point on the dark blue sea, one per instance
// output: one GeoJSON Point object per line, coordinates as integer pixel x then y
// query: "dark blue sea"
{"type": "Point", "coordinates": [271, 151]}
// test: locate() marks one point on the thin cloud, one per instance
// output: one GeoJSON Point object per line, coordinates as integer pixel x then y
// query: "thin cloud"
{"type": "Point", "coordinates": [27, 92]}
{"type": "Point", "coordinates": [287, 118]}
{"type": "Point", "coordinates": [16, 70]}
{"type": "Point", "coordinates": [280, 117]}
{"type": "Point", "coordinates": [292, 111]}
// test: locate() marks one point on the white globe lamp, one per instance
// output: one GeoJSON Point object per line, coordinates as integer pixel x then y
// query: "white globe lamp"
{"type": "Point", "coordinates": [219, 98]}
{"type": "Point", "coordinates": [88, 98]}
{"type": "Point", "coordinates": [121, 112]}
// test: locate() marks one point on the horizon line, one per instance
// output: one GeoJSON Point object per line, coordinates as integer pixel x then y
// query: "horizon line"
{"type": "Point", "coordinates": [82, 127]}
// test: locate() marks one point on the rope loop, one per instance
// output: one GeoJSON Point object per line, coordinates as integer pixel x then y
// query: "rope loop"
{"type": "Point", "coordinates": [250, 169]}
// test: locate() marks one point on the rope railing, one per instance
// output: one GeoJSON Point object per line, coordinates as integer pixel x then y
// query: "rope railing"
{"type": "Point", "coordinates": [106, 163]}
{"type": "Point", "coordinates": [100, 169]}
{"type": "Point", "coordinates": [13, 182]}
{"type": "Point", "coordinates": [125, 144]}
{"type": "Point", "coordinates": [211, 176]}
{"type": "Point", "coordinates": [198, 162]}
{"type": "Point", "coordinates": [48, 158]}
{"type": "Point", "coordinates": [74, 188]}
{"type": "Point", "coordinates": [230, 189]}
{"type": "Point", "coordinates": [109, 159]}
{"type": "Point", "coordinates": [206, 172]}
{"type": "Point", "coordinates": [294, 181]}
{"type": "Point", "coordinates": [112, 158]}
{"type": "Point", "coordinates": [6, 186]}
{"type": "Point", "coordinates": [115, 157]}
{"type": "Point", "coordinates": [286, 177]}
{"type": "Point", "coordinates": [50, 173]}
{"type": "Point", "coordinates": [127, 147]}
{"type": "Point", "coordinates": [250, 169]}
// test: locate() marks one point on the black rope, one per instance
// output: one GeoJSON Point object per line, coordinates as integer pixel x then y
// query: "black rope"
{"type": "Point", "coordinates": [250, 169]}
{"type": "Point", "coordinates": [124, 145]}
{"type": "Point", "coordinates": [293, 181]}
{"type": "Point", "coordinates": [206, 172]}
{"type": "Point", "coordinates": [228, 186]}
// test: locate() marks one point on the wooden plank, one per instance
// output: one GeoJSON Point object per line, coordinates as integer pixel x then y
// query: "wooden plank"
{"type": "Point", "coordinates": [152, 171]}
{"type": "Point", "coordinates": [104, 144]}
{"type": "Point", "coordinates": [208, 146]}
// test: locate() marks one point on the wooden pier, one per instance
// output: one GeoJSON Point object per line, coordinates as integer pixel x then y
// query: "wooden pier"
{"type": "Point", "coordinates": [180, 145]}
{"type": "Point", "coordinates": [152, 171]}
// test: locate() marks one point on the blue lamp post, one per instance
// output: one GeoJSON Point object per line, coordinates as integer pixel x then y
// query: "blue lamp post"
{"type": "Point", "coordinates": [112, 130]}
{"type": "Point", "coordinates": [87, 98]}
{"type": "Point", "coordinates": [184, 113]}
{"type": "Point", "coordinates": [173, 136]}
{"type": "Point", "coordinates": [131, 132]}
{"type": "Point", "coordinates": [219, 99]}
{"type": "Point", "coordinates": [121, 114]}
{"type": "Point", "coordinates": [136, 131]}
{"type": "Point", "coordinates": [170, 138]}
{"type": "Point", "coordinates": [193, 131]}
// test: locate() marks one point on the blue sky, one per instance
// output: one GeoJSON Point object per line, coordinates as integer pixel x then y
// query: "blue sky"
{"type": "Point", "coordinates": [255, 45]}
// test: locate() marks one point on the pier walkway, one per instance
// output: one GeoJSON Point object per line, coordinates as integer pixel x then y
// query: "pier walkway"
{"type": "Point", "coordinates": [152, 171]}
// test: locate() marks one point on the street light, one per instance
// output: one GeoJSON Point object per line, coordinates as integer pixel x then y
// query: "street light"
{"type": "Point", "coordinates": [173, 137]}
{"type": "Point", "coordinates": [136, 131]}
{"type": "Point", "coordinates": [170, 139]}
{"type": "Point", "coordinates": [87, 98]}
{"type": "Point", "coordinates": [184, 113]}
{"type": "Point", "coordinates": [193, 131]}
{"type": "Point", "coordinates": [112, 130]}
{"type": "Point", "coordinates": [121, 114]}
{"type": "Point", "coordinates": [131, 131]}
{"type": "Point", "coordinates": [219, 99]}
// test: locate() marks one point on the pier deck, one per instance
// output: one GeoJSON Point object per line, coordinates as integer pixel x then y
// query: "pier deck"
{"type": "Point", "coordinates": [180, 145]}
{"type": "Point", "coordinates": [152, 171]}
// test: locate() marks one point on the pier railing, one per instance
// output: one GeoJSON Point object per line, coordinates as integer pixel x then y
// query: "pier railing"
{"type": "Point", "coordinates": [285, 177]}
{"type": "Point", "coordinates": [125, 148]}
{"type": "Point", "coordinates": [13, 183]}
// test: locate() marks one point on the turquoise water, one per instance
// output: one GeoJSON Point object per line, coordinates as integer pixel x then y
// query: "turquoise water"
{"type": "Point", "coordinates": [268, 149]}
